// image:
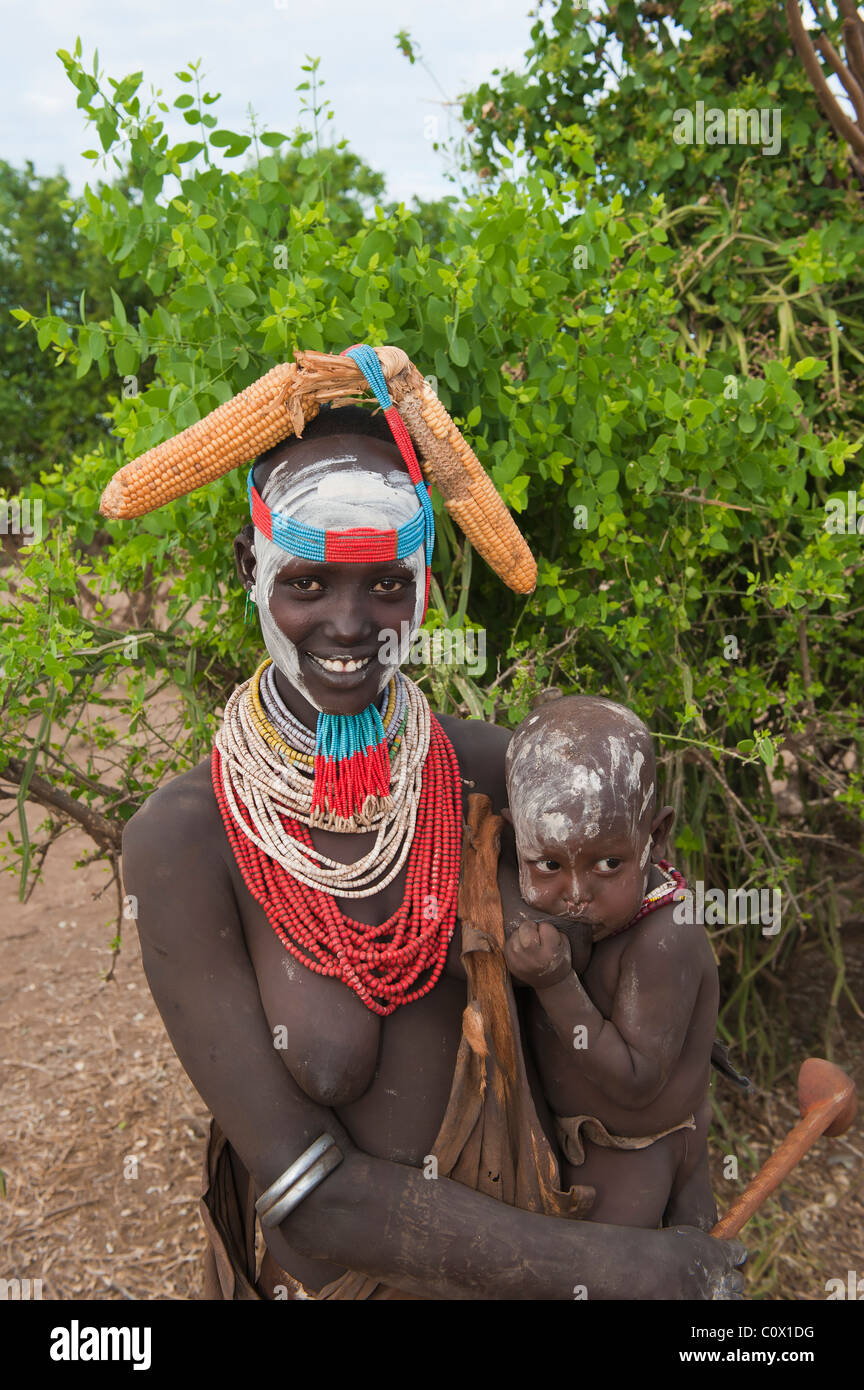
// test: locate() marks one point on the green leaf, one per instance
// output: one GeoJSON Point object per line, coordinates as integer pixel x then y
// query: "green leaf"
{"type": "Point", "coordinates": [193, 296]}
{"type": "Point", "coordinates": [460, 352]}
{"type": "Point", "coordinates": [186, 151]}
{"type": "Point", "coordinates": [700, 410]}
{"type": "Point", "coordinates": [231, 142]}
{"type": "Point", "coordinates": [237, 296]}
{"type": "Point", "coordinates": [118, 307]}
{"type": "Point", "coordinates": [807, 368]}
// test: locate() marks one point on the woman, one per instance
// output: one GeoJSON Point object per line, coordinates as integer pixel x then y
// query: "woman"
{"type": "Point", "coordinates": [304, 1043]}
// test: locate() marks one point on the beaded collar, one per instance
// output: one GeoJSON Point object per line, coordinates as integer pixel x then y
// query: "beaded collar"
{"type": "Point", "coordinates": [266, 803]}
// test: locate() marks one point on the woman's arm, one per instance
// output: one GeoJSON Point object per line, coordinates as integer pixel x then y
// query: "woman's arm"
{"type": "Point", "coordinates": [435, 1238]}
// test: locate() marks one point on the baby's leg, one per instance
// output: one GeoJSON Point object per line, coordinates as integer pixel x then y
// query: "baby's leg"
{"type": "Point", "coordinates": [691, 1202]}
{"type": "Point", "coordinates": [633, 1185]}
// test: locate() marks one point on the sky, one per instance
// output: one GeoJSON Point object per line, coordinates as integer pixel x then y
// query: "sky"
{"type": "Point", "coordinates": [252, 51]}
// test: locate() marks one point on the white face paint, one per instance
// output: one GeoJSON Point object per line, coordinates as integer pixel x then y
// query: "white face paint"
{"type": "Point", "coordinates": [333, 494]}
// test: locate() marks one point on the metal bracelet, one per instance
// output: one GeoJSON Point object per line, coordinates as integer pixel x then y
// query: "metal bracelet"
{"type": "Point", "coordinates": [276, 1214]}
{"type": "Point", "coordinates": [298, 1180]}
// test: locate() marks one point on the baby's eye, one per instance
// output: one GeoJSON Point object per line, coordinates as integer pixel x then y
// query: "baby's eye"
{"type": "Point", "coordinates": [608, 865]}
{"type": "Point", "coordinates": [548, 866]}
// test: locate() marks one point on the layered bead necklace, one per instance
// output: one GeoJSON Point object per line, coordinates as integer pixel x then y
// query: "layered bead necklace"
{"type": "Point", "coordinates": [263, 771]}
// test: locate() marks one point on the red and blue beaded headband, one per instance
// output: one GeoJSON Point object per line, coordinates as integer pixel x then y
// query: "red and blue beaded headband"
{"type": "Point", "coordinates": [357, 544]}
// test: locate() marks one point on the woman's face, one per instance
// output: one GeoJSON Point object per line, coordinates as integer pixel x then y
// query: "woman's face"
{"type": "Point", "coordinates": [338, 616]}
{"type": "Point", "coordinates": [336, 632]}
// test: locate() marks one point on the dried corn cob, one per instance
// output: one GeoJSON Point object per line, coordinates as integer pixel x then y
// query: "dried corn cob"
{"type": "Point", "coordinates": [259, 417]}
{"type": "Point", "coordinates": [280, 404]}
{"type": "Point", "coordinates": [446, 458]}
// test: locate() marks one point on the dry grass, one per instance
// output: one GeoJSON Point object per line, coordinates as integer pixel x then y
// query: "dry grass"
{"type": "Point", "coordinates": [103, 1134]}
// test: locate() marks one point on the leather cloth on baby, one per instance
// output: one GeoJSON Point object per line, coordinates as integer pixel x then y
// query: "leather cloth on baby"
{"type": "Point", "coordinates": [569, 1133]}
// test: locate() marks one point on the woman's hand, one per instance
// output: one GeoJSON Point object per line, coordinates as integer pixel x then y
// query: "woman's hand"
{"type": "Point", "coordinates": [700, 1267]}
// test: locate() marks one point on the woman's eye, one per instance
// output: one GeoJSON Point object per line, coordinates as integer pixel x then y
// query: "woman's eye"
{"type": "Point", "coordinates": [305, 584]}
{"type": "Point", "coordinates": [393, 585]}
{"type": "Point", "coordinates": [606, 865]}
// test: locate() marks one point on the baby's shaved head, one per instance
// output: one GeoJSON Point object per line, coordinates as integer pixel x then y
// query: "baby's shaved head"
{"type": "Point", "coordinates": [578, 767]}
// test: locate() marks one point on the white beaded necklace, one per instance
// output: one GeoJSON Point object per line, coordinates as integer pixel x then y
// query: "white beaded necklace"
{"type": "Point", "coordinates": [271, 786]}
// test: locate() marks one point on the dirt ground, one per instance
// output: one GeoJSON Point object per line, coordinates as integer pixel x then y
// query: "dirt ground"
{"type": "Point", "coordinates": [103, 1135]}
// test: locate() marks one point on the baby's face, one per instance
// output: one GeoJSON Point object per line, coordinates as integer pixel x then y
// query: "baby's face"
{"type": "Point", "coordinates": [598, 878]}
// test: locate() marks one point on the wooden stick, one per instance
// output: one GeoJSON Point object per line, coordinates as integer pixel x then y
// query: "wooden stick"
{"type": "Point", "coordinates": [828, 1102]}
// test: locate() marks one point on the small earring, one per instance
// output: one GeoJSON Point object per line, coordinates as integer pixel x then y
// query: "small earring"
{"type": "Point", "coordinates": [249, 600]}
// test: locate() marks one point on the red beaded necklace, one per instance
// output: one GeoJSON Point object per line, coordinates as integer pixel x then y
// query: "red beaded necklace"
{"type": "Point", "coordinates": [381, 964]}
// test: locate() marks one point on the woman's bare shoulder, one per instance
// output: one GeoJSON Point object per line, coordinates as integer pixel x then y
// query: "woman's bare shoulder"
{"type": "Point", "coordinates": [177, 861]}
{"type": "Point", "coordinates": [480, 749]}
{"type": "Point", "coordinates": [181, 809]}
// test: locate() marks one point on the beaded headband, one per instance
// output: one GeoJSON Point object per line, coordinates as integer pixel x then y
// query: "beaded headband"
{"type": "Point", "coordinates": [357, 544]}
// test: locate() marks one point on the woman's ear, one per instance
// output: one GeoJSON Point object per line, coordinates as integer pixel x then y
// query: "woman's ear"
{"type": "Point", "coordinates": [244, 556]}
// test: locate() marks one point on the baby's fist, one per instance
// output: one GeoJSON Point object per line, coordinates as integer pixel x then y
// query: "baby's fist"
{"type": "Point", "coordinates": [538, 954]}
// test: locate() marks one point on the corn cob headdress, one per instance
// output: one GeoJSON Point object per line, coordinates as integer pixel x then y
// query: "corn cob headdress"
{"type": "Point", "coordinates": [281, 402]}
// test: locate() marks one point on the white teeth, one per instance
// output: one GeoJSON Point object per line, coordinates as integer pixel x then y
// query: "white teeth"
{"type": "Point", "coordinates": [341, 664]}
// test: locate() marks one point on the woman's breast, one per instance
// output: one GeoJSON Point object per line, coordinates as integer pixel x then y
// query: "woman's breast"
{"type": "Point", "coordinates": [324, 1034]}
{"type": "Point", "coordinates": [398, 1117]}
{"type": "Point", "coordinates": [387, 1079]}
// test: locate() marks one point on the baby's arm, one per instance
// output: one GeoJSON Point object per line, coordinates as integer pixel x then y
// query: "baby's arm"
{"type": "Point", "coordinates": [630, 1055]}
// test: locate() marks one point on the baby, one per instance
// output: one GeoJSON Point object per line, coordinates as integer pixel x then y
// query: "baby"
{"type": "Point", "coordinates": [624, 1000]}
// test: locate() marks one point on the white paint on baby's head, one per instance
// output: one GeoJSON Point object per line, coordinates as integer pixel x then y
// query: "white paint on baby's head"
{"type": "Point", "coordinates": [569, 784]}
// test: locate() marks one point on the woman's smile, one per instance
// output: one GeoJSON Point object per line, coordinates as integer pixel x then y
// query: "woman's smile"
{"type": "Point", "coordinates": [341, 670]}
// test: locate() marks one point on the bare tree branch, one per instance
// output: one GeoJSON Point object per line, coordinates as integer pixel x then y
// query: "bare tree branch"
{"type": "Point", "coordinates": [853, 37]}
{"type": "Point", "coordinates": [106, 833]}
{"type": "Point", "coordinates": [856, 96]}
{"type": "Point", "coordinates": [845, 128]}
